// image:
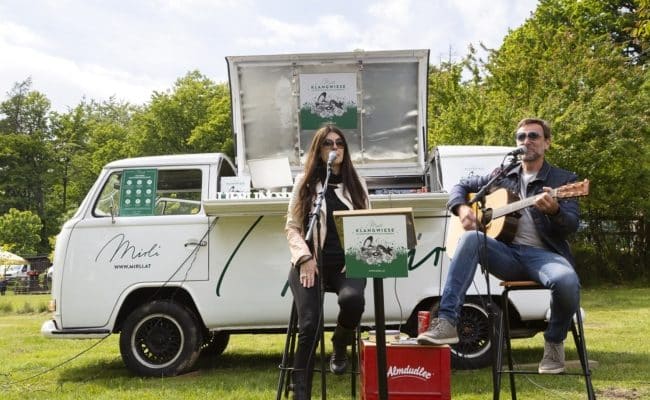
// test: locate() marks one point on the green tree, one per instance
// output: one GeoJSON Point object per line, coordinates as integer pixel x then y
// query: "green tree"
{"type": "Point", "coordinates": [26, 153]}
{"type": "Point", "coordinates": [576, 64]}
{"type": "Point", "coordinates": [641, 30]}
{"type": "Point", "coordinates": [25, 112]}
{"type": "Point", "coordinates": [192, 117]}
{"type": "Point", "coordinates": [21, 232]}
{"type": "Point", "coordinates": [69, 133]}
{"type": "Point", "coordinates": [86, 138]}
{"type": "Point", "coordinates": [454, 105]}
{"type": "Point", "coordinates": [49, 160]}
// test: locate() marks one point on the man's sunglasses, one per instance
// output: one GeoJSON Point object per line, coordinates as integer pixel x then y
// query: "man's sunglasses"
{"type": "Point", "coordinates": [329, 143]}
{"type": "Point", "coordinates": [521, 136]}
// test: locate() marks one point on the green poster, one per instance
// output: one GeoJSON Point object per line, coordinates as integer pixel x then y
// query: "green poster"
{"type": "Point", "coordinates": [328, 98]}
{"type": "Point", "coordinates": [138, 192]}
{"type": "Point", "coordinates": [375, 246]}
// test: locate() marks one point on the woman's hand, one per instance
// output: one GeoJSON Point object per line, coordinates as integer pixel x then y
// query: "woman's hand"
{"type": "Point", "coordinates": [308, 272]}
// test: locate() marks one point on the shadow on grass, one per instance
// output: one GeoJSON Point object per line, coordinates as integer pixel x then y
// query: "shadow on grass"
{"type": "Point", "coordinates": [232, 362]}
{"type": "Point", "coordinates": [607, 368]}
{"type": "Point", "coordinates": [227, 364]}
{"type": "Point", "coordinates": [226, 373]}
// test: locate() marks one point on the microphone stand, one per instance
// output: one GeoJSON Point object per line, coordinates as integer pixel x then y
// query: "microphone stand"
{"type": "Point", "coordinates": [479, 198]}
{"type": "Point", "coordinates": [314, 220]}
{"type": "Point", "coordinates": [480, 195]}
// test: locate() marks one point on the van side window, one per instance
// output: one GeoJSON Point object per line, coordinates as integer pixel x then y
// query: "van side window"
{"type": "Point", "coordinates": [178, 192]}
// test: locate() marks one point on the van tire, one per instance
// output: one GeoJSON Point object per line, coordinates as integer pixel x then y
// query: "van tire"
{"type": "Point", "coordinates": [474, 350]}
{"type": "Point", "coordinates": [161, 338]}
{"type": "Point", "coordinates": [215, 343]}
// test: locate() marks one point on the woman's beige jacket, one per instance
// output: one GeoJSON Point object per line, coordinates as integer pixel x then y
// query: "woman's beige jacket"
{"type": "Point", "coordinates": [293, 228]}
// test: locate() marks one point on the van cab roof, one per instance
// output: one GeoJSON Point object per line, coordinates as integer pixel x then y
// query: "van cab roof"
{"type": "Point", "coordinates": [166, 160]}
{"type": "Point", "coordinates": [464, 150]}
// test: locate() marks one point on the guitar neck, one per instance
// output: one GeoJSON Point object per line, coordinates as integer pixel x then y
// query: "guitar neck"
{"type": "Point", "coordinates": [516, 206]}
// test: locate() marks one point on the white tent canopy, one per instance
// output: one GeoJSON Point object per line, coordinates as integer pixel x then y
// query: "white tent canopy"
{"type": "Point", "coordinates": [8, 258]}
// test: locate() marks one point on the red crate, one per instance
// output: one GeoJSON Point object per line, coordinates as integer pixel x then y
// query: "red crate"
{"type": "Point", "coordinates": [413, 372]}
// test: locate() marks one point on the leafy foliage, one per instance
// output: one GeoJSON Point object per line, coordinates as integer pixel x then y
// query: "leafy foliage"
{"type": "Point", "coordinates": [21, 231]}
{"type": "Point", "coordinates": [193, 117]}
{"type": "Point", "coordinates": [578, 65]}
{"type": "Point", "coordinates": [25, 153]}
{"type": "Point", "coordinates": [25, 111]}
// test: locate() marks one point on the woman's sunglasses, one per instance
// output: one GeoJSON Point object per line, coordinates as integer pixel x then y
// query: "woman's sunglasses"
{"type": "Point", "coordinates": [521, 136]}
{"type": "Point", "coordinates": [328, 143]}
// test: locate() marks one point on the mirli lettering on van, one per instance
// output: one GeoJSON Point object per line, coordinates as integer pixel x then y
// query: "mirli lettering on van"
{"type": "Point", "coordinates": [119, 248]}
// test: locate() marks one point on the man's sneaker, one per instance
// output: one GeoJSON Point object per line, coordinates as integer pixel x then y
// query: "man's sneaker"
{"type": "Point", "coordinates": [440, 332]}
{"type": "Point", "coordinates": [553, 360]}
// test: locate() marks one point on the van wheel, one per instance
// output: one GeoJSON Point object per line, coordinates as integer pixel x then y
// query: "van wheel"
{"type": "Point", "coordinates": [161, 338]}
{"type": "Point", "coordinates": [216, 343]}
{"type": "Point", "coordinates": [474, 349]}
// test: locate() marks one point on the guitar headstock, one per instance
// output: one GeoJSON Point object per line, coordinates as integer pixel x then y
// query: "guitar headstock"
{"type": "Point", "coordinates": [573, 190]}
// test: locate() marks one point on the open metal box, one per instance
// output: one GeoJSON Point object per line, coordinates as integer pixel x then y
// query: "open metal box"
{"type": "Point", "coordinates": [378, 98]}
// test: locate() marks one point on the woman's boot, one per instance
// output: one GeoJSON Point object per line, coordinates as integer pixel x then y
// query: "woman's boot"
{"type": "Point", "coordinates": [340, 340]}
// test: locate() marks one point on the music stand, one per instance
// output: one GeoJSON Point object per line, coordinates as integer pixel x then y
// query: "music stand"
{"type": "Point", "coordinates": [376, 244]}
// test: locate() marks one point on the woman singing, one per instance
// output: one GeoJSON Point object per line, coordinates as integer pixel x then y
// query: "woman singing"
{"type": "Point", "coordinates": [345, 191]}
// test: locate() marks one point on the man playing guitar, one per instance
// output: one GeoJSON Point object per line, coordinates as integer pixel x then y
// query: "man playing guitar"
{"type": "Point", "coordinates": [539, 250]}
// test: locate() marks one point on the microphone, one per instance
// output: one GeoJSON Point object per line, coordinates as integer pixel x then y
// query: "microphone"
{"type": "Point", "coordinates": [519, 150]}
{"type": "Point", "coordinates": [331, 157]}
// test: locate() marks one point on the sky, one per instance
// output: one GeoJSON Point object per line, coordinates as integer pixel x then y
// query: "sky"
{"type": "Point", "coordinates": [127, 49]}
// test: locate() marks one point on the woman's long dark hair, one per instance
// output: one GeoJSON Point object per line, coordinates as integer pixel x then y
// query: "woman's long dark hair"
{"type": "Point", "coordinates": [316, 169]}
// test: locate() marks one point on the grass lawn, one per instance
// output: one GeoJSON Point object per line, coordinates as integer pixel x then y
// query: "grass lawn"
{"type": "Point", "coordinates": [617, 326]}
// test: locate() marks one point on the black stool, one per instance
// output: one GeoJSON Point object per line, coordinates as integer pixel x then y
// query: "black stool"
{"type": "Point", "coordinates": [503, 334]}
{"type": "Point", "coordinates": [289, 350]}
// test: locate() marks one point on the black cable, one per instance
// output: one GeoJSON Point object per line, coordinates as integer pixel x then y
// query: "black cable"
{"type": "Point", "coordinates": [193, 254]}
{"type": "Point", "coordinates": [399, 305]}
{"type": "Point", "coordinates": [59, 364]}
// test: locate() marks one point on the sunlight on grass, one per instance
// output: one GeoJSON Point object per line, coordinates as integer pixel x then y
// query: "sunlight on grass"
{"type": "Point", "coordinates": [617, 325]}
{"type": "Point", "coordinates": [23, 303]}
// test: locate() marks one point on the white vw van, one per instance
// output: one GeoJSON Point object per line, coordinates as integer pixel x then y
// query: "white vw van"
{"type": "Point", "coordinates": [163, 252]}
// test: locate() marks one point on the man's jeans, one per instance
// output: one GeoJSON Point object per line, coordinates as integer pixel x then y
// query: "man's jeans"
{"type": "Point", "coordinates": [513, 262]}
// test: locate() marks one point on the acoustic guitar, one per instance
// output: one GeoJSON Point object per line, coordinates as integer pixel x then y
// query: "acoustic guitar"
{"type": "Point", "coordinates": [500, 218]}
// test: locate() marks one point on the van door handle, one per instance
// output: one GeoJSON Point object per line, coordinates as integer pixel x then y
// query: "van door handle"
{"type": "Point", "coordinates": [193, 242]}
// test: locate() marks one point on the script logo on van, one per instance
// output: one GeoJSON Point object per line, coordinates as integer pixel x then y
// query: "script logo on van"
{"type": "Point", "coordinates": [119, 249]}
